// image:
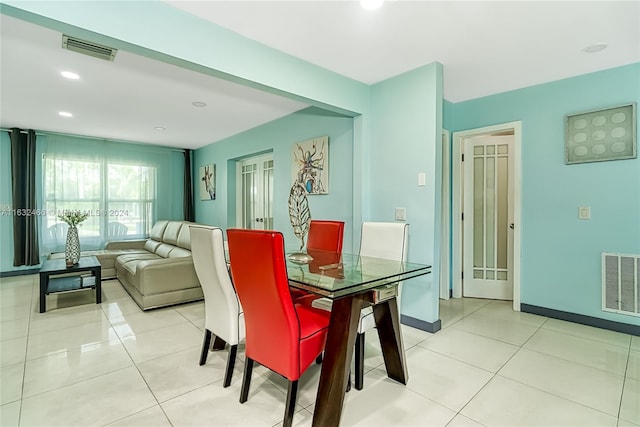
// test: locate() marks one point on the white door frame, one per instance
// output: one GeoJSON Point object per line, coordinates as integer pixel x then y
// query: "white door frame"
{"type": "Point", "coordinates": [458, 183]}
{"type": "Point", "coordinates": [445, 223]}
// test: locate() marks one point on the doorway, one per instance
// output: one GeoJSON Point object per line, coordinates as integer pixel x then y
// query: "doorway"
{"type": "Point", "coordinates": [486, 212]}
{"type": "Point", "coordinates": [254, 193]}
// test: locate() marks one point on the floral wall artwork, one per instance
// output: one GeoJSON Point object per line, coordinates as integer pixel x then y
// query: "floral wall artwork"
{"type": "Point", "coordinates": [310, 165]}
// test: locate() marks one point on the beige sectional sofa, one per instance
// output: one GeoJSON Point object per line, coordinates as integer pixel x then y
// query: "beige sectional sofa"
{"type": "Point", "coordinates": [159, 271]}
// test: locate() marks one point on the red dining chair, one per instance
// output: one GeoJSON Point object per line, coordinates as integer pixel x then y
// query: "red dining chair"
{"type": "Point", "coordinates": [280, 335]}
{"type": "Point", "coordinates": [324, 235]}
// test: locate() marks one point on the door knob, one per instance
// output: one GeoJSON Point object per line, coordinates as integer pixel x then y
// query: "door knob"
{"type": "Point", "coordinates": [511, 226]}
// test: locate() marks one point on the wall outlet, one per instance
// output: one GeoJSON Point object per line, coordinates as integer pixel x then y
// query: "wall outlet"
{"type": "Point", "coordinates": [584, 212]}
{"type": "Point", "coordinates": [401, 214]}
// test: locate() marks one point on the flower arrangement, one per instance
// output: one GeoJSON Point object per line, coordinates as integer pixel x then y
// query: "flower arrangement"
{"type": "Point", "coordinates": [73, 217]}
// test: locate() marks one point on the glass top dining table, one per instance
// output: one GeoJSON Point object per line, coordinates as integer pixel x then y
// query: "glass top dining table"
{"type": "Point", "coordinates": [334, 275]}
{"type": "Point", "coordinates": [351, 282]}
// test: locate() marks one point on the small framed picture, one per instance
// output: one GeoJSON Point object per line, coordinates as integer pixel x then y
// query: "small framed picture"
{"type": "Point", "coordinates": [207, 182]}
{"type": "Point", "coordinates": [596, 136]}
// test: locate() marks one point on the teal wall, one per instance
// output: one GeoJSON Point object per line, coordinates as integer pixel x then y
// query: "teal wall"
{"type": "Point", "coordinates": [170, 164]}
{"type": "Point", "coordinates": [406, 128]}
{"type": "Point", "coordinates": [278, 137]}
{"type": "Point", "coordinates": [447, 114]}
{"type": "Point", "coordinates": [560, 253]}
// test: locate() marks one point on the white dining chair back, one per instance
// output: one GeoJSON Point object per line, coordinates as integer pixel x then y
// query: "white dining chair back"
{"type": "Point", "coordinates": [388, 240]}
{"type": "Point", "coordinates": [223, 313]}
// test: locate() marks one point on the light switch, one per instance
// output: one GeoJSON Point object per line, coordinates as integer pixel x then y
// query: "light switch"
{"type": "Point", "coordinates": [584, 212]}
{"type": "Point", "coordinates": [422, 179]}
{"type": "Point", "coordinates": [401, 214]}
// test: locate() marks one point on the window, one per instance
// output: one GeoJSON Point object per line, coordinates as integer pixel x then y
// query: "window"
{"type": "Point", "coordinates": [120, 199]}
{"type": "Point", "coordinates": [130, 199]}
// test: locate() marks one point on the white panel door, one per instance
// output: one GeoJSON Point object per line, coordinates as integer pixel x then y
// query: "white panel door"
{"type": "Point", "coordinates": [255, 193]}
{"type": "Point", "coordinates": [488, 217]}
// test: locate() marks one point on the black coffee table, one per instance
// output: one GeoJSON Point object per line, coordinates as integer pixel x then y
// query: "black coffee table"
{"type": "Point", "coordinates": [86, 274]}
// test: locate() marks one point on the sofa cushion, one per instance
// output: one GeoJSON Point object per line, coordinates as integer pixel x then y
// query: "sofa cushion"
{"type": "Point", "coordinates": [179, 253]}
{"type": "Point", "coordinates": [171, 232]}
{"type": "Point", "coordinates": [158, 230]}
{"type": "Point", "coordinates": [184, 238]}
{"type": "Point", "coordinates": [128, 262]}
{"type": "Point", "coordinates": [126, 266]}
{"type": "Point", "coordinates": [164, 250]}
{"type": "Point", "coordinates": [151, 246]}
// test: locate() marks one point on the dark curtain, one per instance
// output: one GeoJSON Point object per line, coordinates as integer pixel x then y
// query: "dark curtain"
{"type": "Point", "coordinates": [189, 214]}
{"type": "Point", "coordinates": [23, 180]}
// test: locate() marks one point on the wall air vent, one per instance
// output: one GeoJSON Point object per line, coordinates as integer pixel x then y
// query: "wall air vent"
{"type": "Point", "coordinates": [88, 48]}
{"type": "Point", "coordinates": [621, 283]}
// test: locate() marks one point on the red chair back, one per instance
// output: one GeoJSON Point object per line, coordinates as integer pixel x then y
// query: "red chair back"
{"type": "Point", "coordinates": [325, 235]}
{"type": "Point", "coordinates": [259, 273]}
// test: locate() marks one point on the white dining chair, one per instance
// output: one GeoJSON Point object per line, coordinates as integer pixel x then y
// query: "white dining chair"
{"type": "Point", "coordinates": [224, 317]}
{"type": "Point", "coordinates": [387, 240]}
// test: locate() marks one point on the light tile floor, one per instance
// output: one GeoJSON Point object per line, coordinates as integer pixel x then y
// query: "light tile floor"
{"type": "Point", "coordinates": [82, 364]}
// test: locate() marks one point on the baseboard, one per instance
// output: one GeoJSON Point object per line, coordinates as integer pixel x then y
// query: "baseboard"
{"type": "Point", "coordinates": [19, 272]}
{"type": "Point", "coordinates": [582, 319]}
{"type": "Point", "coordinates": [421, 324]}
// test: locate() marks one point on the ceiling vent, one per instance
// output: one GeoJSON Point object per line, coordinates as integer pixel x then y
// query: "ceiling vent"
{"type": "Point", "coordinates": [88, 48]}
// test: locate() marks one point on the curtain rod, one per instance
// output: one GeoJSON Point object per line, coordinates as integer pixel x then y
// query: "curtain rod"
{"type": "Point", "coordinates": [182, 150]}
{"type": "Point", "coordinates": [21, 131]}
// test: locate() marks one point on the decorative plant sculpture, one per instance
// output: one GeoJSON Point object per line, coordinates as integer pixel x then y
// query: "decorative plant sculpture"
{"type": "Point", "coordinates": [300, 218]}
{"type": "Point", "coordinates": [72, 248]}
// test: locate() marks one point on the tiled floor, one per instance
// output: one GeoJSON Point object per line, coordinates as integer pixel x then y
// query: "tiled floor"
{"type": "Point", "coordinates": [82, 364]}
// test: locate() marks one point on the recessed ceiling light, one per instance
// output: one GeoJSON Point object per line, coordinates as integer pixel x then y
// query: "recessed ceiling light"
{"type": "Point", "coordinates": [65, 114]}
{"type": "Point", "coordinates": [160, 128]}
{"type": "Point", "coordinates": [597, 47]}
{"type": "Point", "coordinates": [199, 104]}
{"type": "Point", "coordinates": [371, 4]}
{"type": "Point", "coordinates": [70, 75]}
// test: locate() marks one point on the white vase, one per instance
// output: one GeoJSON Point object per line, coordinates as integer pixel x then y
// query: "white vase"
{"type": "Point", "coordinates": [72, 248]}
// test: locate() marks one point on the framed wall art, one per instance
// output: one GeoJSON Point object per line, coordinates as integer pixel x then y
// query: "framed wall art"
{"type": "Point", "coordinates": [207, 178]}
{"type": "Point", "coordinates": [310, 165]}
{"type": "Point", "coordinates": [596, 136]}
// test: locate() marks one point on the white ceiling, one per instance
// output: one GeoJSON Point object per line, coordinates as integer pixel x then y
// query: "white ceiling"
{"type": "Point", "coordinates": [485, 48]}
{"type": "Point", "coordinates": [123, 100]}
